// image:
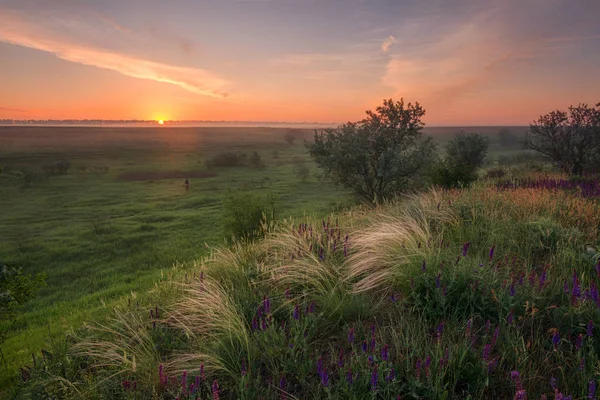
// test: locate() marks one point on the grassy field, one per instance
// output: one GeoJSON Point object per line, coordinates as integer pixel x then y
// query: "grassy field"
{"type": "Point", "coordinates": [122, 216]}
{"type": "Point", "coordinates": [99, 236]}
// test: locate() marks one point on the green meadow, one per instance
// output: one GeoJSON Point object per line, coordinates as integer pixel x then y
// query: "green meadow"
{"type": "Point", "coordinates": [108, 230]}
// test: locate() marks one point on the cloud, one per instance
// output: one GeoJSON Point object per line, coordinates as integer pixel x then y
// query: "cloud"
{"type": "Point", "coordinates": [387, 43]}
{"type": "Point", "coordinates": [17, 30]}
{"type": "Point", "coordinates": [472, 53]}
{"type": "Point", "coordinates": [10, 109]}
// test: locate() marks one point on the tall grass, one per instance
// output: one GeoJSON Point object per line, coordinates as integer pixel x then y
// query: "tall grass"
{"type": "Point", "coordinates": [478, 293]}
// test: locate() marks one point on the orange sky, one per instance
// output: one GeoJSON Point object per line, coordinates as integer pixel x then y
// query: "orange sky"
{"type": "Point", "coordinates": [492, 62]}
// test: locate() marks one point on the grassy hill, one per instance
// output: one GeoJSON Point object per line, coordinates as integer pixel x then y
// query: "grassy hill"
{"type": "Point", "coordinates": [489, 292]}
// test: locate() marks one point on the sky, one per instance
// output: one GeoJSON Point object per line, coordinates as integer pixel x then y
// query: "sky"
{"type": "Point", "coordinates": [467, 62]}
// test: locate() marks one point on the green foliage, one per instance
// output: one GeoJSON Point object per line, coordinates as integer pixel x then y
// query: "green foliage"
{"type": "Point", "coordinates": [247, 214]}
{"type": "Point", "coordinates": [570, 140]}
{"type": "Point", "coordinates": [16, 288]}
{"type": "Point", "coordinates": [226, 159]}
{"type": "Point", "coordinates": [378, 157]}
{"type": "Point", "coordinates": [464, 156]}
{"type": "Point", "coordinates": [301, 169]}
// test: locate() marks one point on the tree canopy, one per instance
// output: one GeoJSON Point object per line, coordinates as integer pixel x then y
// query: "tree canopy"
{"type": "Point", "coordinates": [570, 139]}
{"type": "Point", "coordinates": [378, 157]}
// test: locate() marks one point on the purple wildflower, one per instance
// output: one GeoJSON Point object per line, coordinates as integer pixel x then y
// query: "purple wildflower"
{"type": "Point", "coordinates": [371, 360]}
{"type": "Point", "coordinates": [510, 317]}
{"type": "Point", "coordinates": [184, 382]}
{"type": "Point", "coordinates": [590, 328]}
{"type": "Point", "coordinates": [391, 375]}
{"type": "Point", "coordinates": [384, 352]}
{"type": "Point", "coordinates": [364, 346]}
{"type": "Point", "coordinates": [521, 395]}
{"type": "Point", "coordinates": [439, 330]}
{"type": "Point", "coordinates": [444, 360]}
{"type": "Point", "coordinates": [282, 383]}
{"type": "Point", "coordinates": [582, 364]}
{"type": "Point", "coordinates": [424, 266]}
{"type": "Point", "coordinates": [579, 342]}
{"type": "Point", "coordinates": [591, 389]}
{"type": "Point", "coordinates": [512, 290]}
{"type": "Point", "coordinates": [267, 304]}
{"type": "Point", "coordinates": [374, 378]}
{"type": "Point", "coordinates": [543, 278]}
{"type": "Point", "coordinates": [553, 383]}
{"type": "Point", "coordinates": [243, 366]}
{"type": "Point", "coordinates": [340, 362]}
{"type": "Point", "coordinates": [555, 340]}
{"type": "Point", "coordinates": [372, 329]}
{"type": "Point", "coordinates": [491, 365]}
{"type": "Point", "coordinates": [492, 251]}
{"type": "Point", "coordinates": [495, 335]}
{"type": "Point", "coordinates": [349, 377]}
{"type": "Point", "coordinates": [161, 375]}
{"type": "Point", "coordinates": [297, 312]}
{"type": "Point", "coordinates": [351, 335]}
{"type": "Point", "coordinates": [485, 354]}
{"type": "Point", "coordinates": [288, 295]}
{"type": "Point", "coordinates": [566, 287]}
{"type": "Point", "coordinates": [320, 366]}
{"type": "Point", "coordinates": [488, 325]}
{"type": "Point", "coordinates": [516, 378]}
{"type": "Point", "coordinates": [465, 248]}
{"type": "Point", "coordinates": [202, 371]}
{"type": "Point", "coordinates": [325, 378]}
{"type": "Point", "coordinates": [215, 390]}
{"type": "Point", "coordinates": [418, 368]}
{"type": "Point", "coordinates": [437, 280]}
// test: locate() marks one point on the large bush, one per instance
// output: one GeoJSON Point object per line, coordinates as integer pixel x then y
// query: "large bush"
{"type": "Point", "coordinates": [464, 156]}
{"type": "Point", "coordinates": [378, 157]}
{"type": "Point", "coordinates": [571, 140]}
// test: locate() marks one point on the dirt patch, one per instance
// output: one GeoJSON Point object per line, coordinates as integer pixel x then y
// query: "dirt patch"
{"type": "Point", "coordinates": [158, 175]}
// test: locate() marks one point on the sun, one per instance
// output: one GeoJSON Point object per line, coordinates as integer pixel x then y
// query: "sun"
{"type": "Point", "coordinates": [160, 122]}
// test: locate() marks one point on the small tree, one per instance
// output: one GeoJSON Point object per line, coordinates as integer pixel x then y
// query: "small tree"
{"type": "Point", "coordinates": [301, 169]}
{"type": "Point", "coordinates": [378, 157]}
{"type": "Point", "coordinates": [571, 140]}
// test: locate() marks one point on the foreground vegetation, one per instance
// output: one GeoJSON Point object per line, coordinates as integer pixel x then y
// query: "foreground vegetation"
{"type": "Point", "coordinates": [488, 292]}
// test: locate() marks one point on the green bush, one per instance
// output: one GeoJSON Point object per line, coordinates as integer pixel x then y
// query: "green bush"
{"type": "Point", "coordinates": [247, 214]}
{"type": "Point", "coordinates": [225, 159]}
{"type": "Point", "coordinates": [301, 169]}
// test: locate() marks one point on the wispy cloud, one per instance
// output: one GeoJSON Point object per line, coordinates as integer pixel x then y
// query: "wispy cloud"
{"type": "Point", "coordinates": [10, 109]}
{"type": "Point", "coordinates": [387, 43]}
{"type": "Point", "coordinates": [463, 60]}
{"type": "Point", "coordinates": [17, 29]}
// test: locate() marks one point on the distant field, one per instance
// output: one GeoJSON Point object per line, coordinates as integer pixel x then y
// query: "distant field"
{"type": "Point", "coordinates": [122, 214]}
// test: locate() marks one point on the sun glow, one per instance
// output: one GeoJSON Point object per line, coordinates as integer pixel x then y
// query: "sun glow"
{"type": "Point", "coordinates": [160, 122]}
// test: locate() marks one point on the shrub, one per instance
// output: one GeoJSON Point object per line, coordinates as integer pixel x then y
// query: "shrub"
{"type": "Point", "coordinates": [16, 288]}
{"type": "Point", "coordinates": [225, 160]}
{"type": "Point", "coordinates": [301, 169]}
{"type": "Point", "coordinates": [495, 173]}
{"type": "Point", "coordinates": [378, 157]}
{"type": "Point", "coordinates": [57, 168]}
{"type": "Point", "coordinates": [247, 214]}
{"type": "Point", "coordinates": [464, 155]}
{"type": "Point", "coordinates": [256, 161]}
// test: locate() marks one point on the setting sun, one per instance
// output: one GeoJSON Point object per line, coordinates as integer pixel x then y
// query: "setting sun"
{"type": "Point", "coordinates": [161, 122]}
